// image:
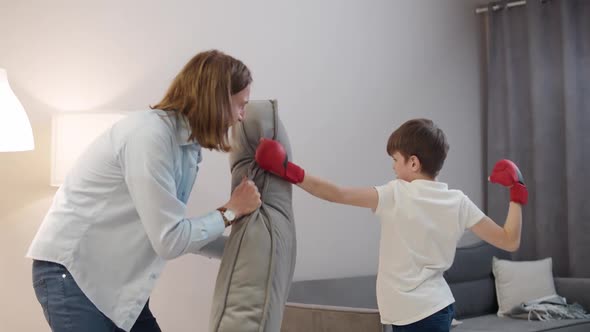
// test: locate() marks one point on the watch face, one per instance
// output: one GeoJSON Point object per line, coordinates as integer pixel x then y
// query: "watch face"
{"type": "Point", "coordinates": [229, 215]}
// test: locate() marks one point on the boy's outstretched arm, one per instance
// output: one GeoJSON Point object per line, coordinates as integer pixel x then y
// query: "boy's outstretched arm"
{"type": "Point", "coordinates": [361, 196]}
{"type": "Point", "coordinates": [507, 174]}
{"type": "Point", "coordinates": [271, 156]}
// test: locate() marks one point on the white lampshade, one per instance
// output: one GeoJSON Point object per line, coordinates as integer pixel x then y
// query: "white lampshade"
{"type": "Point", "coordinates": [71, 134]}
{"type": "Point", "coordinates": [15, 129]}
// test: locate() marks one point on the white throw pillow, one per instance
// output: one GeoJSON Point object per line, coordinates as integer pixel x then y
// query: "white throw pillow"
{"type": "Point", "coordinates": [518, 282]}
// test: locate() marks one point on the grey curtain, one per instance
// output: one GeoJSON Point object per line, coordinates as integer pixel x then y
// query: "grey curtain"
{"type": "Point", "coordinates": [538, 115]}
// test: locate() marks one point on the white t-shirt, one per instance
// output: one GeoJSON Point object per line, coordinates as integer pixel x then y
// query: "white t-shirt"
{"type": "Point", "coordinates": [421, 223]}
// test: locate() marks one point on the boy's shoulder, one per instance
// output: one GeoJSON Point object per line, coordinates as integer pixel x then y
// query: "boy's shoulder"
{"type": "Point", "coordinates": [438, 187]}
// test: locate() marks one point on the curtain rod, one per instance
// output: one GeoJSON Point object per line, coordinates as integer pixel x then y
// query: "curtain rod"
{"type": "Point", "coordinates": [481, 10]}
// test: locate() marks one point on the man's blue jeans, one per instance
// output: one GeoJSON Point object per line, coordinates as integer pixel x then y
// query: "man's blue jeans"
{"type": "Point", "coordinates": [66, 308]}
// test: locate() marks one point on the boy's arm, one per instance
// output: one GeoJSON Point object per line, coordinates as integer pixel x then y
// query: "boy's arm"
{"type": "Point", "coordinates": [507, 237]}
{"type": "Point", "coordinates": [361, 196]}
{"type": "Point", "coordinates": [272, 157]}
{"type": "Point", "coordinates": [507, 174]}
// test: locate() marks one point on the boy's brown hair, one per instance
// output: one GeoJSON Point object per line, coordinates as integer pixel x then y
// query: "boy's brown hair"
{"type": "Point", "coordinates": [201, 92]}
{"type": "Point", "coordinates": [423, 139]}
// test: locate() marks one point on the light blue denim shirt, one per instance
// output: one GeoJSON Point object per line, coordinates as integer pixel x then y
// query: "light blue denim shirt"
{"type": "Point", "coordinates": [120, 213]}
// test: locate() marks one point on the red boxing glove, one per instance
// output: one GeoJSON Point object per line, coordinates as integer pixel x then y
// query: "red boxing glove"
{"type": "Point", "coordinates": [271, 156]}
{"type": "Point", "coordinates": [507, 174]}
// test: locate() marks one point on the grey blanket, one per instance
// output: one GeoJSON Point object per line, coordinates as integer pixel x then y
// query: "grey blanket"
{"type": "Point", "coordinates": [548, 308]}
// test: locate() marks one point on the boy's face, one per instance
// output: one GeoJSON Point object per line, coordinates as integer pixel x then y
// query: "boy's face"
{"type": "Point", "coordinates": [405, 169]}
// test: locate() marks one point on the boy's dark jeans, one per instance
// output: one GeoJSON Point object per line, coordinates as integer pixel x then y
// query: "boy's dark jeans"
{"type": "Point", "coordinates": [437, 322]}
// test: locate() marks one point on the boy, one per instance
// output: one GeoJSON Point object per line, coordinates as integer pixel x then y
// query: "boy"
{"type": "Point", "coordinates": [421, 221]}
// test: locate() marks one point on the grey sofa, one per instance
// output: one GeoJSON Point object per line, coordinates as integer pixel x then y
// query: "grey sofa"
{"type": "Point", "coordinates": [349, 304]}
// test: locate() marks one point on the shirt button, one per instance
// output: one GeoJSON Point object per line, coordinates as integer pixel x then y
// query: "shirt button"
{"type": "Point", "coordinates": [63, 276]}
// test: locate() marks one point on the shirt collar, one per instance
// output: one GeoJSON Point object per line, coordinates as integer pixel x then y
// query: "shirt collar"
{"type": "Point", "coordinates": [430, 183]}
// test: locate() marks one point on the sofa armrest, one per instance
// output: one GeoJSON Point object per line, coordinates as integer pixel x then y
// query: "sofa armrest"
{"type": "Point", "coordinates": [320, 318]}
{"type": "Point", "coordinates": [574, 290]}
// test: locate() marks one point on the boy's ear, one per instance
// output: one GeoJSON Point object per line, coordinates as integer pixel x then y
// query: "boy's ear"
{"type": "Point", "coordinates": [415, 162]}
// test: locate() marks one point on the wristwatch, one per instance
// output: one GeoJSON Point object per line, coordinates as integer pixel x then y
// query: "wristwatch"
{"type": "Point", "coordinates": [228, 216]}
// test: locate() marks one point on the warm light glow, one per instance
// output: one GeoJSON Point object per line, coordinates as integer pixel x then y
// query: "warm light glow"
{"type": "Point", "coordinates": [71, 134]}
{"type": "Point", "coordinates": [15, 129]}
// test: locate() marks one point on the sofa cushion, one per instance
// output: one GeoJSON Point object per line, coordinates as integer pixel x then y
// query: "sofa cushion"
{"type": "Point", "coordinates": [471, 273]}
{"type": "Point", "coordinates": [518, 282]}
{"type": "Point", "coordinates": [493, 323]}
{"type": "Point", "coordinates": [353, 292]}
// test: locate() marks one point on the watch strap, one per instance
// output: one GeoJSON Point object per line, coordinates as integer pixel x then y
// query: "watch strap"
{"type": "Point", "coordinates": [225, 221]}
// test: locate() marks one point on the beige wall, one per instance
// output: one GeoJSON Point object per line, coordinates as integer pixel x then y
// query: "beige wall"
{"type": "Point", "coordinates": [24, 197]}
{"type": "Point", "coordinates": [346, 73]}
